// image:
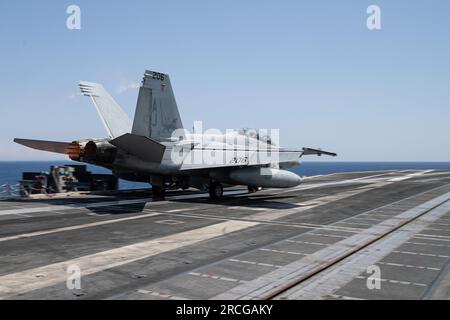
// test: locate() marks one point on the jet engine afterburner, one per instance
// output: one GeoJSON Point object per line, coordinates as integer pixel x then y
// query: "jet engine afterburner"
{"type": "Point", "coordinates": [92, 151]}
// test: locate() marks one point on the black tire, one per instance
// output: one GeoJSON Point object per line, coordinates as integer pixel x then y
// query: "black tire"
{"type": "Point", "coordinates": [216, 190]}
{"type": "Point", "coordinates": [158, 192]}
{"type": "Point", "coordinates": [252, 189]}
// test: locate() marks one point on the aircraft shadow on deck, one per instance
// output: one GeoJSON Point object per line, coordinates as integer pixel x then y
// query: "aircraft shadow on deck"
{"type": "Point", "coordinates": [249, 200]}
{"type": "Point", "coordinates": [118, 209]}
{"type": "Point", "coordinates": [269, 202]}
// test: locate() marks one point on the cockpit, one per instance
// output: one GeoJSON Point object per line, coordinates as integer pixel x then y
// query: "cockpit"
{"type": "Point", "coordinates": [255, 134]}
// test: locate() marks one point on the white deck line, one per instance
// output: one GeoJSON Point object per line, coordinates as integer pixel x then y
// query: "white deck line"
{"type": "Point", "coordinates": [52, 274]}
{"type": "Point", "coordinates": [342, 273]}
{"type": "Point", "coordinates": [77, 227]}
{"type": "Point", "coordinates": [265, 285]}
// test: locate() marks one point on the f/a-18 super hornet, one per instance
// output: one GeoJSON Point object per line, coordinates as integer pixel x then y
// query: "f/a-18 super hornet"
{"type": "Point", "coordinates": [155, 148]}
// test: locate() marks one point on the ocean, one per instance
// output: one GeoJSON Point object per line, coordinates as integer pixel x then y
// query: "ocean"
{"type": "Point", "coordinates": [11, 172]}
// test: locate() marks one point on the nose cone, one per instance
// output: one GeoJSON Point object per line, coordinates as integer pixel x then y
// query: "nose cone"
{"type": "Point", "coordinates": [298, 181]}
{"type": "Point", "coordinates": [294, 180]}
{"type": "Point", "coordinates": [265, 177]}
{"type": "Point", "coordinates": [286, 179]}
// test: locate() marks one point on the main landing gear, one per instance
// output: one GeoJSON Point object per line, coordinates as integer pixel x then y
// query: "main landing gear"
{"type": "Point", "coordinates": [252, 189]}
{"type": "Point", "coordinates": [215, 190]}
{"type": "Point", "coordinates": [158, 192]}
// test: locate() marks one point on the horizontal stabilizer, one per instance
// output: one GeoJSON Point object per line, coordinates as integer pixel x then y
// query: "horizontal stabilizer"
{"type": "Point", "coordinates": [308, 151]}
{"type": "Point", "coordinates": [145, 148]}
{"type": "Point", "coordinates": [51, 146]}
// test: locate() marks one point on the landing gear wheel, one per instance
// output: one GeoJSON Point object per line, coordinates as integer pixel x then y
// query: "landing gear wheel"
{"type": "Point", "coordinates": [158, 192]}
{"type": "Point", "coordinates": [252, 189]}
{"type": "Point", "coordinates": [215, 190]}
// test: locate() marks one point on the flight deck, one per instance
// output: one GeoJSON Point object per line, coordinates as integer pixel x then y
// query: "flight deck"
{"type": "Point", "coordinates": [361, 235]}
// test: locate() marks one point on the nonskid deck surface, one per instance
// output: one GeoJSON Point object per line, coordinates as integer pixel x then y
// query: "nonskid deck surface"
{"type": "Point", "coordinates": [362, 235]}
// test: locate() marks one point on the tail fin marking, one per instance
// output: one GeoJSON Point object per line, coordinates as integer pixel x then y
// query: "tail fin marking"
{"type": "Point", "coordinates": [157, 115]}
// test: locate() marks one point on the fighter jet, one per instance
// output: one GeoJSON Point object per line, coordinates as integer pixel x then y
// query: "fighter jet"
{"type": "Point", "coordinates": [157, 149]}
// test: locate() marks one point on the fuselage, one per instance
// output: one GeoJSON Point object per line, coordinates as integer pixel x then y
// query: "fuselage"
{"type": "Point", "coordinates": [195, 159]}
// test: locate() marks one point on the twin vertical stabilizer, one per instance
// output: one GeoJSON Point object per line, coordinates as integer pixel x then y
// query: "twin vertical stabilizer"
{"type": "Point", "coordinates": [157, 115]}
{"type": "Point", "coordinates": [115, 120]}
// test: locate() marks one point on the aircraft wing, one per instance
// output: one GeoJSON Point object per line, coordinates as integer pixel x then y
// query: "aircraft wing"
{"type": "Point", "coordinates": [283, 157]}
{"type": "Point", "coordinates": [199, 159]}
{"type": "Point", "coordinates": [319, 152]}
{"type": "Point", "coordinates": [50, 146]}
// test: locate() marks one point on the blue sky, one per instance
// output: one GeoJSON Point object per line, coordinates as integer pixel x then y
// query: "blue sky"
{"type": "Point", "coordinates": [310, 68]}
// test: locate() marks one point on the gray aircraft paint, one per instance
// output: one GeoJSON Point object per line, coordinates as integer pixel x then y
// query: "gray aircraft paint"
{"type": "Point", "coordinates": [157, 113]}
{"type": "Point", "coordinates": [155, 148]}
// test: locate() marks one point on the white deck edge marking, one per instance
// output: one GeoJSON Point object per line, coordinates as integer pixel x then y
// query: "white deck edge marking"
{"type": "Point", "coordinates": [411, 175]}
{"type": "Point", "coordinates": [255, 263]}
{"type": "Point", "coordinates": [159, 294]}
{"type": "Point", "coordinates": [215, 277]}
{"type": "Point", "coordinates": [26, 281]}
{"type": "Point", "coordinates": [401, 265]}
